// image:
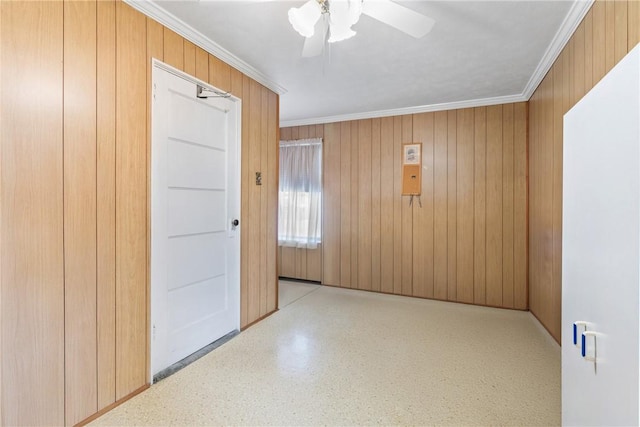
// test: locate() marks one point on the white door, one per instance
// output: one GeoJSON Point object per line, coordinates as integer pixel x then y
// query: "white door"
{"type": "Point", "coordinates": [601, 251]}
{"type": "Point", "coordinates": [195, 250]}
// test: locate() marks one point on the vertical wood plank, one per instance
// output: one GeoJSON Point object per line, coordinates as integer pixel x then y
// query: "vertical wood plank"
{"type": "Point", "coordinates": [355, 194]}
{"type": "Point", "coordinates": [568, 53]}
{"type": "Point", "coordinates": [314, 256]}
{"type": "Point", "coordinates": [599, 40]}
{"type": "Point", "coordinates": [546, 211]}
{"type": "Point", "coordinates": [173, 49]}
{"type": "Point", "coordinates": [81, 393]}
{"type": "Point", "coordinates": [303, 132]}
{"type": "Point", "coordinates": [279, 267]}
{"type": "Point", "coordinates": [588, 50]}
{"type": "Point", "coordinates": [255, 207]}
{"type": "Point", "coordinates": [494, 205]}
{"type": "Point", "coordinates": [331, 227]}
{"type": "Point", "coordinates": [314, 264]}
{"type": "Point", "coordinates": [272, 201]}
{"type": "Point", "coordinates": [219, 74]}
{"type": "Point", "coordinates": [536, 188]}
{"type": "Point", "coordinates": [507, 205]}
{"type": "Point", "coordinates": [418, 220]}
{"type": "Point", "coordinates": [345, 203]}
{"type": "Point", "coordinates": [189, 59]}
{"type": "Point", "coordinates": [578, 64]}
{"type": "Point", "coordinates": [106, 201]}
{"type": "Point", "coordinates": [300, 263]}
{"type": "Point", "coordinates": [520, 273]}
{"type": "Point", "coordinates": [245, 94]}
{"type": "Point", "coordinates": [312, 131]}
{"type": "Point", "coordinates": [375, 205]}
{"type": "Point", "coordinates": [236, 80]}
{"type": "Point", "coordinates": [440, 206]}
{"type": "Point", "coordinates": [633, 24]}
{"type": "Point", "coordinates": [479, 205]}
{"type": "Point", "coordinates": [202, 67]}
{"type": "Point", "coordinates": [131, 201]}
{"type": "Point", "coordinates": [423, 215]}
{"type": "Point", "coordinates": [364, 204]}
{"type": "Point", "coordinates": [452, 201]}
{"type": "Point", "coordinates": [32, 229]}
{"type": "Point", "coordinates": [428, 161]}
{"type": "Point", "coordinates": [610, 32]}
{"type": "Point", "coordinates": [387, 194]}
{"type": "Point", "coordinates": [407, 220]}
{"type": "Point", "coordinates": [428, 180]}
{"type": "Point", "coordinates": [620, 34]}
{"type": "Point", "coordinates": [464, 205]}
{"type": "Point", "coordinates": [564, 64]}
{"type": "Point", "coordinates": [285, 134]}
{"type": "Point", "coordinates": [264, 192]}
{"type": "Point", "coordinates": [288, 262]}
{"type": "Point", "coordinates": [155, 39]}
{"type": "Point", "coordinates": [533, 203]}
{"type": "Point", "coordinates": [555, 108]}
{"type": "Point", "coordinates": [397, 205]}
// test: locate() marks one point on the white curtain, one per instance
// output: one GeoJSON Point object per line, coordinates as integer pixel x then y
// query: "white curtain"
{"type": "Point", "coordinates": [300, 197]}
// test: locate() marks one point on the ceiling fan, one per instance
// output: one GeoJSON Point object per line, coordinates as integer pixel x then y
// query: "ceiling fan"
{"type": "Point", "coordinates": [317, 19]}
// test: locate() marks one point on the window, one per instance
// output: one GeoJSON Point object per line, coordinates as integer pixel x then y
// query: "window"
{"type": "Point", "coordinates": [300, 196]}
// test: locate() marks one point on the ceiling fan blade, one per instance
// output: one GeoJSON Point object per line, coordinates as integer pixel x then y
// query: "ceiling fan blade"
{"type": "Point", "coordinates": [399, 17]}
{"type": "Point", "coordinates": [314, 45]}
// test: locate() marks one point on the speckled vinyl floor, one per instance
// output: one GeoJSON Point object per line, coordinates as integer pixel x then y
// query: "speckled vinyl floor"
{"type": "Point", "coordinates": [345, 357]}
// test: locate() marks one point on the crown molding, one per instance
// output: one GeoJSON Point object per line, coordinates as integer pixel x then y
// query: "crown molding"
{"type": "Point", "coordinates": [575, 16]}
{"type": "Point", "coordinates": [482, 102]}
{"type": "Point", "coordinates": [577, 12]}
{"type": "Point", "coordinates": [154, 11]}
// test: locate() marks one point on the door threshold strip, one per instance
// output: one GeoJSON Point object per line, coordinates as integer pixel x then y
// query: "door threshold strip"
{"type": "Point", "coordinates": [193, 357]}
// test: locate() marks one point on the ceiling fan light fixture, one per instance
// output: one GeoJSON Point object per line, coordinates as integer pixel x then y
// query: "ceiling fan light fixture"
{"type": "Point", "coordinates": [343, 15]}
{"type": "Point", "coordinates": [303, 19]}
{"type": "Point", "coordinates": [339, 34]}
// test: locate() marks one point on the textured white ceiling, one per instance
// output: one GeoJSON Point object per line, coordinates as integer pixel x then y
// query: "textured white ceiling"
{"type": "Point", "coordinates": [477, 50]}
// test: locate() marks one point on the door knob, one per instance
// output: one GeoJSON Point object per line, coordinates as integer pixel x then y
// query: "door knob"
{"type": "Point", "coordinates": [235, 222]}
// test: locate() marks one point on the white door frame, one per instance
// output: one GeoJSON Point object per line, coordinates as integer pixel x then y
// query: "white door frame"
{"type": "Point", "coordinates": [234, 202]}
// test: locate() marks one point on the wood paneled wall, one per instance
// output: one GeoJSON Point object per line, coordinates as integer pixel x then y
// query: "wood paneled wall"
{"type": "Point", "coordinates": [32, 288]}
{"type": "Point", "coordinates": [305, 264]}
{"type": "Point", "coordinates": [468, 240]}
{"type": "Point", "coordinates": [75, 90]}
{"type": "Point", "coordinates": [607, 33]}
